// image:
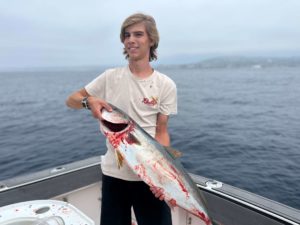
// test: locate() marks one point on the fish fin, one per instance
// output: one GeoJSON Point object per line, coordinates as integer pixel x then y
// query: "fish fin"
{"type": "Point", "coordinates": [173, 152]}
{"type": "Point", "coordinates": [119, 158]}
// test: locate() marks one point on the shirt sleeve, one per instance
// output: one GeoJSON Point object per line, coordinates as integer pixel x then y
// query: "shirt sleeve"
{"type": "Point", "coordinates": [97, 86]}
{"type": "Point", "coordinates": [168, 103]}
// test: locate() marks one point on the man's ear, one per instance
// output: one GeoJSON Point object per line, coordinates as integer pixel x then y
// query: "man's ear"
{"type": "Point", "coordinates": [151, 43]}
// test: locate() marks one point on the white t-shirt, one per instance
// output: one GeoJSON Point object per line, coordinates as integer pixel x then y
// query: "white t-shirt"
{"type": "Point", "coordinates": [141, 99]}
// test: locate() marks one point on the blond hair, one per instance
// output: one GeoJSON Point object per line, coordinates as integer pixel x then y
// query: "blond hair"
{"type": "Point", "coordinates": [151, 30]}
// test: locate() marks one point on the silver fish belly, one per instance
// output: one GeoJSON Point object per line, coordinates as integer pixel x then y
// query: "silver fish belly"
{"type": "Point", "coordinates": [151, 162]}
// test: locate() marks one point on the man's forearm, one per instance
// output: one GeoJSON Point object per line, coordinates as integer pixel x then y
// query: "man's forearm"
{"type": "Point", "coordinates": [163, 138]}
{"type": "Point", "coordinates": [74, 100]}
{"type": "Point", "coordinates": [161, 132]}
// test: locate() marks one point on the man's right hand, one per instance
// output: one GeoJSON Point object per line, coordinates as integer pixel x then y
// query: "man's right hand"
{"type": "Point", "coordinates": [96, 105]}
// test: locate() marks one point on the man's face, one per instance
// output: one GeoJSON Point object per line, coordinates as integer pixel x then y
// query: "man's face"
{"type": "Point", "coordinates": [137, 42]}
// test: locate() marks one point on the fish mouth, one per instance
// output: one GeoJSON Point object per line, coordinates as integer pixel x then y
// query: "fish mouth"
{"type": "Point", "coordinates": [113, 127]}
{"type": "Point", "coordinates": [113, 122]}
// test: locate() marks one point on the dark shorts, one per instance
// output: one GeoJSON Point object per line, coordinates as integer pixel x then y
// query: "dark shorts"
{"type": "Point", "coordinates": [118, 196]}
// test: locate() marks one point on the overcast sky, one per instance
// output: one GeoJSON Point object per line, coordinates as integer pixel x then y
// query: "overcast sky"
{"type": "Point", "coordinates": [38, 33]}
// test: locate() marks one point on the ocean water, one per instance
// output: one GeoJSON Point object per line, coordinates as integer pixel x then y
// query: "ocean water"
{"type": "Point", "coordinates": [240, 126]}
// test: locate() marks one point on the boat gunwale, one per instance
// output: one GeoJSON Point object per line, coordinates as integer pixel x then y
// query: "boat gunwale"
{"type": "Point", "coordinates": [250, 200]}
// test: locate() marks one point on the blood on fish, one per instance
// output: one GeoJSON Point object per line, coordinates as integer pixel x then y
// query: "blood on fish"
{"type": "Point", "coordinates": [202, 216]}
{"type": "Point", "coordinates": [158, 165]}
{"type": "Point", "coordinates": [180, 181]}
{"type": "Point", "coordinates": [131, 139]}
{"type": "Point", "coordinates": [141, 171]}
{"type": "Point", "coordinates": [115, 138]}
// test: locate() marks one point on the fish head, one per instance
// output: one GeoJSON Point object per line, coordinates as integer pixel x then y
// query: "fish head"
{"type": "Point", "coordinates": [114, 121]}
{"type": "Point", "coordinates": [117, 127]}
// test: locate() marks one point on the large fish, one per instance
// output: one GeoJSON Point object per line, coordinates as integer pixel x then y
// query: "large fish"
{"type": "Point", "coordinates": [151, 162]}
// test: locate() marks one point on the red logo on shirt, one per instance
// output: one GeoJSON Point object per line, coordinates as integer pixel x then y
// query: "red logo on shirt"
{"type": "Point", "coordinates": [151, 102]}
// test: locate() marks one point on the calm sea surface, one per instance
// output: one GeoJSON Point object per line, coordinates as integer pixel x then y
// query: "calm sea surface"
{"type": "Point", "coordinates": [240, 126]}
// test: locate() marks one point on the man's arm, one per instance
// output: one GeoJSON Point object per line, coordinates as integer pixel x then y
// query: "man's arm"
{"type": "Point", "coordinates": [162, 134]}
{"type": "Point", "coordinates": [74, 100]}
{"type": "Point", "coordinates": [95, 104]}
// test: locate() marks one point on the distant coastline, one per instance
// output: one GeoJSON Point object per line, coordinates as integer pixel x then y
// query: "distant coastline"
{"type": "Point", "coordinates": [229, 62]}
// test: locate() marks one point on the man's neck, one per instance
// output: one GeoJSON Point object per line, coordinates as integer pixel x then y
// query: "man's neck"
{"type": "Point", "coordinates": [141, 69]}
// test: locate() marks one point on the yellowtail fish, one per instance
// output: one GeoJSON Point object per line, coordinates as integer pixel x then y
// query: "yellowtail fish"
{"type": "Point", "coordinates": [152, 162]}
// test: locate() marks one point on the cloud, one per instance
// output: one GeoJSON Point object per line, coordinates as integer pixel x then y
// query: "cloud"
{"type": "Point", "coordinates": [68, 32]}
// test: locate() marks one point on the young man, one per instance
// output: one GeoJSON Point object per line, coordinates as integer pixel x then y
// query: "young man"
{"type": "Point", "coordinates": [149, 97]}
